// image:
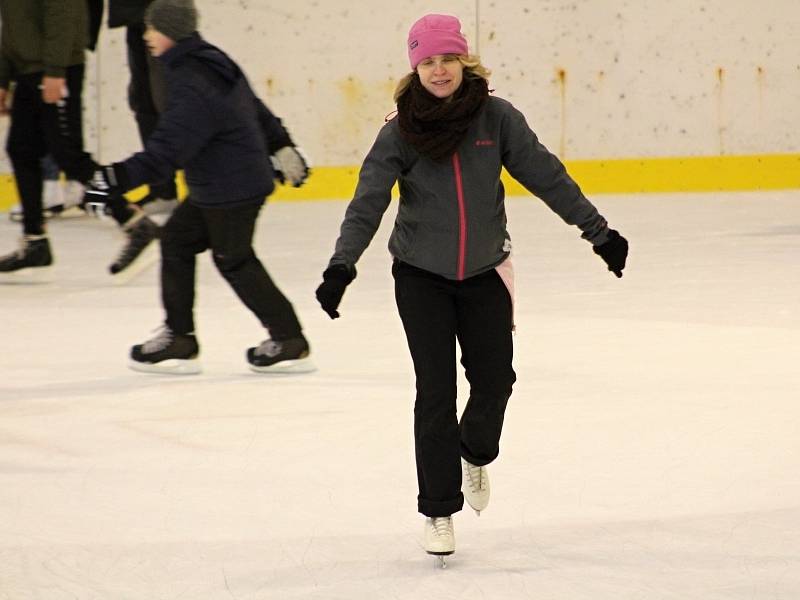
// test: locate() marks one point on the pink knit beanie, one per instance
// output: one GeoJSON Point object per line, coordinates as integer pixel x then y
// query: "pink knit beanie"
{"type": "Point", "coordinates": [435, 34]}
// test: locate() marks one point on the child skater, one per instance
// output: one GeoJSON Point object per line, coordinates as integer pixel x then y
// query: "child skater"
{"type": "Point", "coordinates": [214, 128]}
{"type": "Point", "coordinates": [452, 272]}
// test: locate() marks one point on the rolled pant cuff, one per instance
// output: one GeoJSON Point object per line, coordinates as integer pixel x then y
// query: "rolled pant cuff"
{"type": "Point", "coordinates": [474, 460]}
{"type": "Point", "coordinates": [440, 508]}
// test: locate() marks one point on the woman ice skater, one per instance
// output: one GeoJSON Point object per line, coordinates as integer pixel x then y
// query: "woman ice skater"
{"type": "Point", "coordinates": [453, 276]}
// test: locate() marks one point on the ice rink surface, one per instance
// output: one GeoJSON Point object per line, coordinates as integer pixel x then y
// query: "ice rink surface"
{"type": "Point", "coordinates": [651, 448]}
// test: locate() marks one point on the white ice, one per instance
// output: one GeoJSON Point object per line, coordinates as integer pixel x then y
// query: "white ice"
{"type": "Point", "coordinates": [651, 447]}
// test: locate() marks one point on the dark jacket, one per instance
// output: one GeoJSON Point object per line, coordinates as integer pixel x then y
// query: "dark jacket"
{"type": "Point", "coordinates": [122, 13]}
{"type": "Point", "coordinates": [211, 128]}
{"type": "Point", "coordinates": [451, 217]}
{"type": "Point", "coordinates": [41, 36]}
{"type": "Point", "coordinates": [95, 22]}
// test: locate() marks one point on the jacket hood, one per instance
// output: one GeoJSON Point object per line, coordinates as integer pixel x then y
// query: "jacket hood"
{"type": "Point", "coordinates": [211, 57]}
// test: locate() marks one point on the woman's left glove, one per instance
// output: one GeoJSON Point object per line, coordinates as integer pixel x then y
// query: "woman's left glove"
{"type": "Point", "coordinates": [614, 252]}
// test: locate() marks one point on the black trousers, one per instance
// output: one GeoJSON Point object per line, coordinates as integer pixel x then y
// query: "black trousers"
{"type": "Point", "coordinates": [38, 129]}
{"type": "Point", "coordinates": [228, 232]}
{"type": "Point", "coordinates": [436, 312]}
{"type": "Point", "coordinates": [147, 97]}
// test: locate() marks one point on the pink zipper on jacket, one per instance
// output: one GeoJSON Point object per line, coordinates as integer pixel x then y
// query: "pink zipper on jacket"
{"type": "Point", "coordinates": [462, 219]}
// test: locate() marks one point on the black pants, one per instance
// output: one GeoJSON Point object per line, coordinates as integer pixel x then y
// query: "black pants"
{"type": "Point", "coordinates": [436, 312]}
{"type": "Point", "coordinates": [228, 232]}
{"type": "Point", "coordinates": [38, 129]}
{"type": "Point", "coordinates": [147, 97]}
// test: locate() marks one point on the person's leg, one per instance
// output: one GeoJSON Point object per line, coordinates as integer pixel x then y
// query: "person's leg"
{"type": "Point", "coordinates": [427, 309]}
{"type": "Point", "coordinates": [174, 349]}
{"type": "Point", "coordinates": [231, 239]}
{"type": "Point", "coordinates": [26, 146]}
{"type": "Point", "coordinates": [484, 334]}
{"type": "Point", "coordinates": [182, 237]}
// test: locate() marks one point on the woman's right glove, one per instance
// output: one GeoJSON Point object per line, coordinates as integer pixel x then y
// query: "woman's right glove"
{"type": "Point", "coordinates": [614, 252]}
{"type": "Point", "coordinates": [334, 281]}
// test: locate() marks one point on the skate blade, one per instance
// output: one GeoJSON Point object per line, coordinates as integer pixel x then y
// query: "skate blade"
{"type": "Point", "coordinates": [55, 212]}
{"type": "Point", "coordinates": [173, 366]}
{"type": "Point", "coordinates": [146, 259]}
{"type": "Point", "coordinates": [28, 276]}
{"type": "Point", "coordinates": [478, 507]}
{"type": "Point", "coordinates": [287, 367]}
{"type": "Point", "coordinates": [441, 558]}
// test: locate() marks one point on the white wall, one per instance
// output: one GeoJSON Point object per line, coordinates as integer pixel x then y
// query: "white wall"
{"type": "Point", "coordinates": [640, 78]}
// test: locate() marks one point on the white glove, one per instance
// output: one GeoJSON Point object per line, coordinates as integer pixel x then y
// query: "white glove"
{"type": "Point", "coordinates": [290, 165]}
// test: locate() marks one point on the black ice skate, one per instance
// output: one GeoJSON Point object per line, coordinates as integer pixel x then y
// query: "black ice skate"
{"type": "Point", "coordinates": [32, 257]}
{"type": "Point", "coordinates": [167, 352]}
{"type": "Point", "coordinates": [285, 356]}
{"type": "Point", "coordinates": [440, 539]}
{"type": "Point", "coordinates": [138, 252]}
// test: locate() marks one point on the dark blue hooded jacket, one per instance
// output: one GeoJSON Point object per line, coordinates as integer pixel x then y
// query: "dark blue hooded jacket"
{"type": "Point", "coordinates": [213, 127]}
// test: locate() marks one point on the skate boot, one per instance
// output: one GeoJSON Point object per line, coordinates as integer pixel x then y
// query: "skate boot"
{"type": "Point", "coordinates": [440, 540]}
{"type": "Point", "coordinates": [476, 486]}
{"type": "Point", "coordinates": [167, 352]}
{"type": "Point", "coordinates": [138, 252]}
{"type": "Point", "coordinates": [32, 257]}
{"type": "Point", "coordinates": [285, 356]}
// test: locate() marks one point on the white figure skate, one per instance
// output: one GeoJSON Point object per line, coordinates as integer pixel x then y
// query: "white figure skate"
{"type": "Point", "coordinates": [440, 540]}
{"type": "Point", "coordinates": [476, 486]}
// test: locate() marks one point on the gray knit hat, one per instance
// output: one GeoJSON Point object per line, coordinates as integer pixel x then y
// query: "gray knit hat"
{"type": "Point", "coordinates": [176, 19]}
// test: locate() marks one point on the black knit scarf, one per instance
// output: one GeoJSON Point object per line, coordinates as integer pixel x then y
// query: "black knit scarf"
{"type": "Point", "coordinates": [434, 126]}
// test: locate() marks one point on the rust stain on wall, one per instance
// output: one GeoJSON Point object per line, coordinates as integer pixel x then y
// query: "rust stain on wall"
{"type": "Point", "coordinates": [760, 84]}
{"type": "Point", "coordinates": [720, 92]}
{"type": "Point", "coordinates": [562, 88]}
{"type": "Point", "coordinates": [354, 98]}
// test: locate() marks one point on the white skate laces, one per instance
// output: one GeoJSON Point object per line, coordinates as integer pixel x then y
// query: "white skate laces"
{"type": "Point", "coordinates": [162, 339]}
{"type": "Point", "coordinates": [269, 348]}
{"type": "Point", "coordinates": [439, 537]}
{"type": "Point", "coordinates": [476, 486]}
{"type": "Point", "coordinates": [442, 526]}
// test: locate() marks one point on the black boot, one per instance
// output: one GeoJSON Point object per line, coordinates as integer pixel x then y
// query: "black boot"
{"type": "Point", "coordinates": [284, 356]}
{"type": "Point", "coordinates": [34, 251]}
{"type": "Point", "coordinates": [167, 352]}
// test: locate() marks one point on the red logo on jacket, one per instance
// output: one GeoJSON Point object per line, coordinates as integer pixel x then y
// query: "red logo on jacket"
{"type": "Point", "coordinates": [484, 142]}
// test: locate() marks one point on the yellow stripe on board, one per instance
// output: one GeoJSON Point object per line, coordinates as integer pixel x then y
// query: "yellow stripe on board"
{"type": "Point", "coordinates": [688, 174]}
{"type": "Point", "coordinates": [613, 176]}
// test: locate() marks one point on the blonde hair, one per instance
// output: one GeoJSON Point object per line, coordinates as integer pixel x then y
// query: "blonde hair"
{"type": "Point", "coordinates": [472, 69]}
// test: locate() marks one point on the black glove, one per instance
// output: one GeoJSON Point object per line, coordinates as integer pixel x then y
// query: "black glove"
{"type": "Point", "coordinates": [109, 180]}
{"type": "Point", "coordinates": [290, 165]}
{"type": "Point", "coordinates": [614, 252]}
{"type": "Point", "coordinates": [335, 279]}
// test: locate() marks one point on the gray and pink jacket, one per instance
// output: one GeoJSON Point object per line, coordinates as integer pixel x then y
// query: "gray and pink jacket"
{"type": "Point", "coordinates": [451, 218]}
